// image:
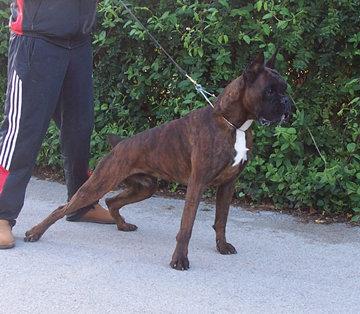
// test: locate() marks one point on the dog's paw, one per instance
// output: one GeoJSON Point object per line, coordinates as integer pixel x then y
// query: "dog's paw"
{"type": "Point", "coordinates": [180, 263]}
{"type": "Point", "coordinates": [225, 248]}
{"type": "Point", "coordinates": [32, 235]}
{"type": "Point", "coordinates": [127, 227]}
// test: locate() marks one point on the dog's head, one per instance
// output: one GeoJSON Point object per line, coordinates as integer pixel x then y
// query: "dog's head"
{"type": "Point", "coordinates": [264, 95]}
{"type": "Point", "coordinates": [258, 94]}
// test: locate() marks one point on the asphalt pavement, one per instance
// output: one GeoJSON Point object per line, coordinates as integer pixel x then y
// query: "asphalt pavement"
{"type": "Point", "coordinates": [282, 265]}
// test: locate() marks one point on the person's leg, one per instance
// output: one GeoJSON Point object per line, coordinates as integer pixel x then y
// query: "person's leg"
{"type": "Point", "coordinates": [75, 117]}
{"type": "Point", "coordinates": [35, 73]}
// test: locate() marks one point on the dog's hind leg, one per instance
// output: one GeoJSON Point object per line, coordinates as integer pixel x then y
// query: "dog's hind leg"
{"type": "Point", "coordinates": [103, 180]}
{"type": "Point", "coordinates": [138, 188]}
{"type": "Point", "coordinates": [82, 198]}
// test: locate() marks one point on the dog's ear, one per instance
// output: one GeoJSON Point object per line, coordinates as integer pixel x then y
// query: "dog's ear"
{"type": "Point", "coordinates": [113, 139]}
{"type": "Point", "coordinates": [271, 62]}
{"type": "Point", "coordinates": [252, 71]}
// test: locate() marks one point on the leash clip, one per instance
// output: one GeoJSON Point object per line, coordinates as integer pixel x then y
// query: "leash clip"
{"type": "Point", "coordinates": [199, 88]}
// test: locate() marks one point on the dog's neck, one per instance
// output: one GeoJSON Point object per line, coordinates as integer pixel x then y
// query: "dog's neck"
{"type": "Point", "coordinates": [229, 105]}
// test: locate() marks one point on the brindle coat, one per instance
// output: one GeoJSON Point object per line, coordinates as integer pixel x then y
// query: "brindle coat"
{"type": "Point", "coordinates": [196, 150]}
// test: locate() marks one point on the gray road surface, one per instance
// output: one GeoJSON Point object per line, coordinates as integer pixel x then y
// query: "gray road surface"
{"type": "Point", "coordinates": [282, 265]}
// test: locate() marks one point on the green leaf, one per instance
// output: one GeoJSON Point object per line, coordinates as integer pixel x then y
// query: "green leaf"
{"type": "Point", "coordinates": [200, 52]}
{"type": "Point", "coordinates": [224, 3]}
{"type": "Point", "coordinates": [258, 5]}
{"type": "Point", "coordinates": [266, 29]}
{"type": "Point", "coordinates": [247, 39]}
{"type": "Point", "coordinates": [351, 147]}
{"type": "Point", "coordinates": [268, 16]}
{"type": "Point", "coordinates": [282, 24]}
{"type": "Point", "coordinates": [355, 100]}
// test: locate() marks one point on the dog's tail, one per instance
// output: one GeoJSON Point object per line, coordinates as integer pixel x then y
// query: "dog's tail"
{"type": "Point", "coordinates": [114, 139]}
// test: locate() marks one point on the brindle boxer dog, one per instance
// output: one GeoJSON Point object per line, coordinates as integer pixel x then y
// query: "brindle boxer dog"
{"type": "Point", "coordinates": [208, 147]}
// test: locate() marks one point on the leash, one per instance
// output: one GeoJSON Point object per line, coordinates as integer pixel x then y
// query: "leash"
{"type": "Point", "coordinates": [201, 90]}
{"type": "Point", "coordinates": [311, 135]}
{"type": "Point", "coordinates": [198, 87]}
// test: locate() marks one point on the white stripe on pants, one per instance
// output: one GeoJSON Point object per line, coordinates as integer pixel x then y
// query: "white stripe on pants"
{"type": "Point", "coordinates": [8, 146]}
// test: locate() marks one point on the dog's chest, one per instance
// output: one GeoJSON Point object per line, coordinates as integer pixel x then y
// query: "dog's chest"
{"type": "Point", "coordinates": [240, 148]}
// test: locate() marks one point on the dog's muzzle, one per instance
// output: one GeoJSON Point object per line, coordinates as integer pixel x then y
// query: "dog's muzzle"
{"type": "Point", "coordinates": [286, 109]}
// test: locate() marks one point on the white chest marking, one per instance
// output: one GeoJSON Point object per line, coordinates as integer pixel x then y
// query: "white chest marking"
{"type": "Point", "coordinates": [240, 144]}
{"type": "Point", "coordinates": [240, 148]}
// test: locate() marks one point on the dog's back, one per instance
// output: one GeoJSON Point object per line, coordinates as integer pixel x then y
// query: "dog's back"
{"type": "Point", "coordinates": [165, 151]}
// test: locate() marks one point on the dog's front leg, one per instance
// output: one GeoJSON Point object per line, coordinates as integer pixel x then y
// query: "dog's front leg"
{"type": "Point", "coordinates": [223, 199]}
{"type": "Point", "coordinates": [194, 191]}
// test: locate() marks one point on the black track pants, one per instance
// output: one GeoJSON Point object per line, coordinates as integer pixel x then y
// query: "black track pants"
{"type": "Point", "coordinates": [45, 81]}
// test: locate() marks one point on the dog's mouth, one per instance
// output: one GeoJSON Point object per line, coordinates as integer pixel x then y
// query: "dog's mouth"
{"type": "Point", "coordinates": [266, 122]}
{"type": "Point", "coordinates": [285, 117]}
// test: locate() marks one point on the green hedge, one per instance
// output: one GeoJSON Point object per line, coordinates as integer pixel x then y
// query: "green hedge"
{"type": "Point", "coordinates": [137, 88]}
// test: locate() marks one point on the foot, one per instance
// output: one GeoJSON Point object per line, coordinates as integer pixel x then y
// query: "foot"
{"type": "Point", "coordinates": [225, 248]}
{"type": "Point", "coordinates": [97, 214]}
{"type": "Point", "coordinates": [33, 235]}
{"type": "Point", "coordinates": [126, 227]}
{"type": "Point", "coordinates": [180, 262]}
{"type": "Point", "coordinates": [7, 240]}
